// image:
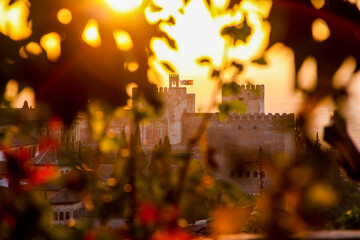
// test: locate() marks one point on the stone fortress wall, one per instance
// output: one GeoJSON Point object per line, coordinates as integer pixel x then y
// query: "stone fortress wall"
{"type": "Point", "coordinates": [235, 141]}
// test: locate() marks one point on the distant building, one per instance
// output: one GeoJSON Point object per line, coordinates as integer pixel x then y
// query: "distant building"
{"type": "Point", "coordinates": [66, 204]}
{"type": "Point", "coordinates": [234, 142]}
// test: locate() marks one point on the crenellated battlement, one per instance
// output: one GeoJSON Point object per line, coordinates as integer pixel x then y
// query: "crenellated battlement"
{"type": "Point", "coordinates": [174, 75]}
{"type": "Point", "coordinates": [255, 90]}
{"type": "Point", "coordinates": [261, 121]}
{"type": "Point", "coordinates": [260, 117]}
{"type": "Point", "coordinates": [175, 91]}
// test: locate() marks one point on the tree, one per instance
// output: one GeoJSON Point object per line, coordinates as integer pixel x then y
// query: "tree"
{"type": "Point", "coordinates": [26, 104]}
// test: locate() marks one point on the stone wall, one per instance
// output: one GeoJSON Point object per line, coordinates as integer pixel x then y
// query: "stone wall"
{"type": "Point", "coordinates": [64, 212]}
{"type": "Point", "coordinates": [236, 141]}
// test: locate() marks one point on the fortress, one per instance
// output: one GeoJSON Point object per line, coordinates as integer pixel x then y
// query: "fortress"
{"type": "Point", "coordinates": [234, 142]}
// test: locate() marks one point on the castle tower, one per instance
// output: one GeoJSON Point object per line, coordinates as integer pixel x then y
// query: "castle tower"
{"type": "Point", "coordinates": [174, 80]}
{"type": "Point", "coordinates": [251, 95]}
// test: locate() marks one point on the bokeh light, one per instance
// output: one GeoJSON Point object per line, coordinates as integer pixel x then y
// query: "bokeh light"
{"type": "Point", "coordinates": [14, 19]}
{"type": "Point", "coordinates": [129, 88]}
{"type": "Point", "coordinates": [318, 3]}
{"type": "Point", "coordinates": [64, 16]}
{"type": "Point", "coordinates": [51, 44]}
{"type": "Point", "coordinates": [131, 66]}
{"type": "Point", "coordinates": [320, 30]}
{"type": "Point", "coordinates": [123, 40]}
{"type": "Point", "coordinates": [91, 34]}
{"type": "Point", "coordinates": [33, 48]}
{"type": "Point", "coordinates": [12, 88]}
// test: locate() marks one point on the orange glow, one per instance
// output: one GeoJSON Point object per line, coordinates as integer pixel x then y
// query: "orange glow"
{"type": "Point", "coordinates": [64, 16]}
{"type": "Point", "coordinates": [123, 40]}
{"type": "Point", "coordinates": [33, 48]}
{"type": "Point", "coordinates": [197, 34]}
{"type": "Point", "coordinates": [318, 3]}
{"type": "Point", "coordinates": [131, 66]}
{"type": "Point", "coordinates": [123, 6]}
{"type": "Point", "coordinates": [12, 88]}
{"type": "Point", "coordinates": [51, 43]}
{"type": "Point", "coordinates": [129, 88]}
{"type": "Point", "coordinates": [23, 53]}
{"type": "Point", "coordinates": [320, 30]}
{"type": "Point", "coordinates": [307, 75]}
{"type": "Point", "coordinates": [91, 34]}
{"type": "Point", "coordinates": [14, 19]}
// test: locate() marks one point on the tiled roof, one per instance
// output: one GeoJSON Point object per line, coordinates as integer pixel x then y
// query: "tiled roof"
{"type": "Point", "coordinates": [20, 140]}
{"type": "Point", "coordinates": [54, 156]}
{"type": "Point", "coordinates": [20, 115]}
{"type": "Point", "coordinates": [64, 196]}
{"type": "Point", "coordinates": [48, 187]}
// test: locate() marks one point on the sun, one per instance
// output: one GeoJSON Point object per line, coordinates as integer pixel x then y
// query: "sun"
{"type": "Point", "coordinates": [124, 6]}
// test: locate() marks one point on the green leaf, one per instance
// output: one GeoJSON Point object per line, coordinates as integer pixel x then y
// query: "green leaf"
{"type": "Point", "coordinates": [229, 89]}
{"type": "Point", "coordinates": [224, 108]}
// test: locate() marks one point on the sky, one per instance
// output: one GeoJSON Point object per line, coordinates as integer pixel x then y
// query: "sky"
{"type": "Point", "coordinates": [197, 35]}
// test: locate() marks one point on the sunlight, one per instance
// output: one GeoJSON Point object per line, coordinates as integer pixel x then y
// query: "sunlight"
{"type": "Point", "coordinates": [123, 40]}
{"type": "Point", "coordinates": [91, 34]}
{"type": "Point", "coordinates": [129, 88]}
{"type": "Point", "coordinates": [320, 30]}
{"type": "Point", "coordinates": [197, 34]}
{"type": "Point", "coordinates": [64, 16]}
{"type": "Point", "coordinates": [124, 6]}
{"type": "Point", "coordinates": [14, 19]}
{"type": "Point", "coordinates": [51, 43]}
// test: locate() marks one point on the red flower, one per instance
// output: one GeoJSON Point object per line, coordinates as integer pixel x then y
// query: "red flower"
{"type": "Point", "coordinates": [171, 234]}
{"type": "Point", "coordinates": [148, 214]}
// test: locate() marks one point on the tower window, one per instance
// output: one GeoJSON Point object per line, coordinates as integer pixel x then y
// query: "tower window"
{"type": "Point", "coordinates": [232, 174]}
{"type": "Point", "coordinates": [239, 174]}
{"type": "Point", "coordinates": [247, 174]}
{"type": "Point", "coordinates": [255, 174]}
